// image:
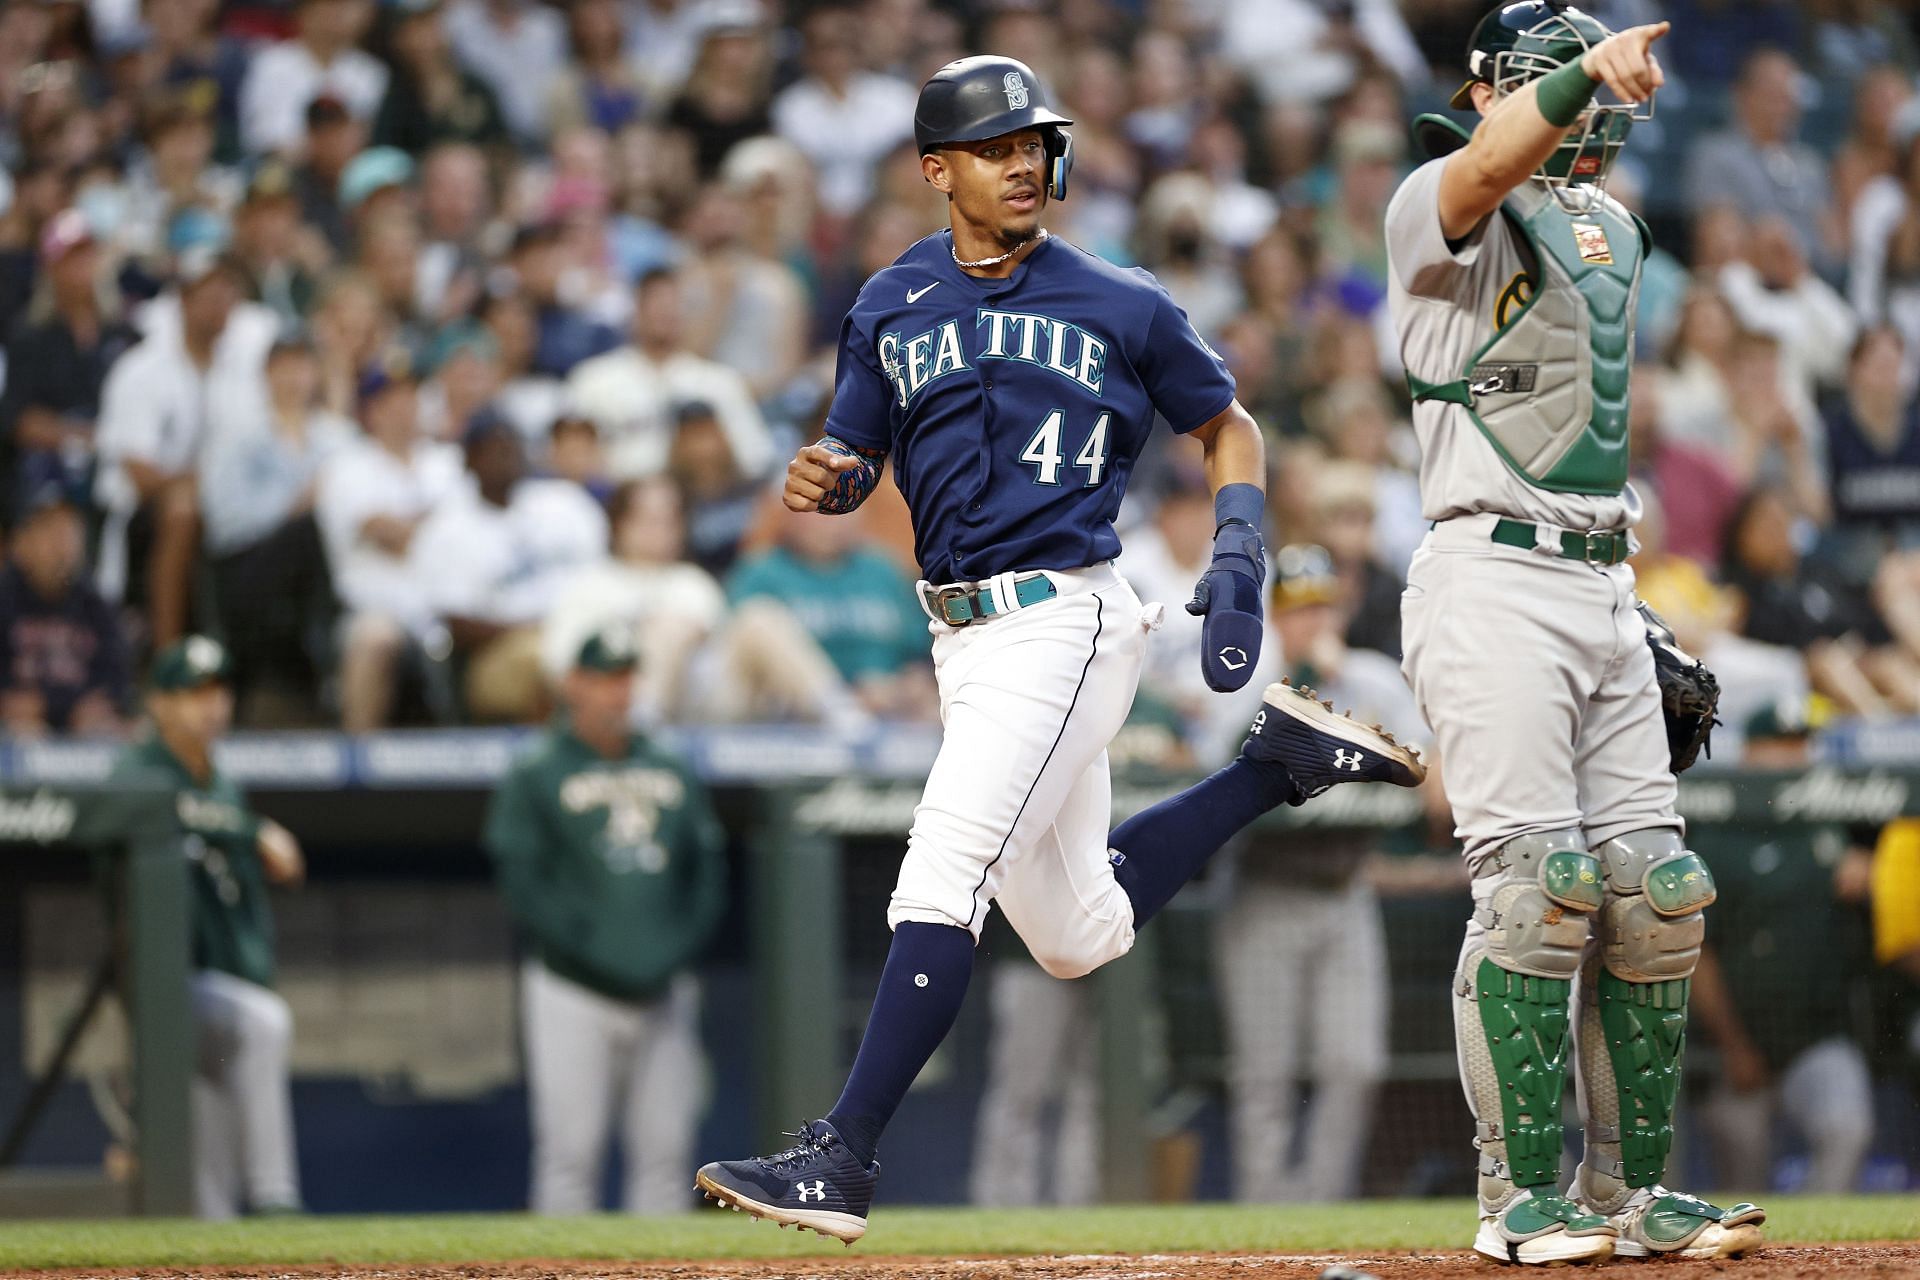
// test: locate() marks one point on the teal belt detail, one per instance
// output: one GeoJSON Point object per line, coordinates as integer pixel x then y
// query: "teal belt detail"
{"type": "Point", "coordinates": [1601, 546]}
{"type": "Point", "coordinates": [965, 603]}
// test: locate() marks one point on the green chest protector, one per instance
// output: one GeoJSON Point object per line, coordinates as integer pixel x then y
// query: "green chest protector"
{"type": "Point", "coordinates": [1549, 390]}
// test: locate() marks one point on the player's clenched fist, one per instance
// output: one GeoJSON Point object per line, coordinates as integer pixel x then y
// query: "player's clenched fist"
{"type": "Point", "coordinates": [1624, 62]}
{"type": "Point", "coordinates": [815, 472]}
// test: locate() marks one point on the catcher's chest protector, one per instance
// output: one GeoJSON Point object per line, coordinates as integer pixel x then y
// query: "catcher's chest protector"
{"type": "Point", "coordinates": [1549, 390]}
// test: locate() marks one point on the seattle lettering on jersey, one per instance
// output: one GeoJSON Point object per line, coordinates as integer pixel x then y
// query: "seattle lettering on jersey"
{"type": "Point", "coordinates": [1066, 349]}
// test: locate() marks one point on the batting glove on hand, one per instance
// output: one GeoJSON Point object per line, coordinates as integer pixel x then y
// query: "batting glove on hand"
{"type": "Point", "coordinates": [1228, 597]}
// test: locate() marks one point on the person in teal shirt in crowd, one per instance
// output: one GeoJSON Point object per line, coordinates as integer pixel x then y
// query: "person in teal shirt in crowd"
{"type": "Point", "coordinates": [855, 603]}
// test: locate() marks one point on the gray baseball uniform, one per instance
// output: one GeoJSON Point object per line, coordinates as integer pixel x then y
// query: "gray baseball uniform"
{"type": "Point", "coordinates": [1532, 669]}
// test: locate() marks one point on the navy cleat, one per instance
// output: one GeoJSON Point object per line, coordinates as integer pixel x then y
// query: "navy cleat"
{"type": "Point", "coordinates": [816, 1185]}
{"type": "Point", "coordinates": [1320, 748]}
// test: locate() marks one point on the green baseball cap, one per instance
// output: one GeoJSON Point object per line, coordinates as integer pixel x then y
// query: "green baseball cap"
{"type": "Point", "coordinates": [189, 663]}
{"type": "Point", "coordinates": [609, 651]}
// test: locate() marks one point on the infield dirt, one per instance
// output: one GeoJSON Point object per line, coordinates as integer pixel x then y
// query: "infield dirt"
{"type": "Point", "coordinates": [1784, 1262]}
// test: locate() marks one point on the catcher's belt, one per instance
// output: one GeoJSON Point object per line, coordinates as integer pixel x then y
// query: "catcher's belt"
{"type": "Point", "coordinates": [1594, 546]}
{"type": "Point", "coordinates": [962, 604]}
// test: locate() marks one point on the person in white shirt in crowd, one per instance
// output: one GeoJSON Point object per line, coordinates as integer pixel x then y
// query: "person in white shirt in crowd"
{"type": "Point", "coordinates": [663, 37]}
{"type": "Point", "coordinates": [1312, 50]}
{"type": "Point", "coordinates": [1882, 281]}
{"type": "Point", "coordinates": [323, 57]}
{"type": "Point", "coordinates": [491, 560]}
{"type": "Point", "coordinates": [1300, 951]}
{"type": "Point", "coordinates": [699, 661]}
{"type": "Point", "coordinates": [630, 392]}
{"type": "Point", "coordinates": [271, 587]}
{"type": "Point", "coordinates": [671, 607]}
{"type": "Point", "coordinates": [372, 497]}
{"type": "Point", "coordinates": [516, 47]}
{"type": "Point", "coordinates": [199, 363]}
{"type": "Point", "coordinates": [1774, 291]}
{"type": "Point", "coordinates": [842, 117]}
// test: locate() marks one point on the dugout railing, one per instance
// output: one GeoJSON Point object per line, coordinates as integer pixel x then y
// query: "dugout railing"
{"type": "Point", "coordinates": [128, 844]}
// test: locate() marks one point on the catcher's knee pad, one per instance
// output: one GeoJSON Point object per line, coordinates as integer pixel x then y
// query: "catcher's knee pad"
{"type": "Point", "coordinates": [1511, 999]}
{"type": "Point", "coordinates": [1543, 888]}
{"type": "Point", "coordinates": [1652, 924]}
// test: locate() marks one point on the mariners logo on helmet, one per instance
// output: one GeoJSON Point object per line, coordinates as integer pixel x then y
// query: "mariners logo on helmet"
{"type": "Point", "coordinates": [973, 99]}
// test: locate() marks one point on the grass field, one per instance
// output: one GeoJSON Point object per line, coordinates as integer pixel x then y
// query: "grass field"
{"type": "Point", "coordinates": [1379, 1225]}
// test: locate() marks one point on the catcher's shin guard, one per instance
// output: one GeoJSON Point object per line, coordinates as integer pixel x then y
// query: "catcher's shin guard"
{"type": "Point", "coordinates": [1511, 998]}
{"type": "Point", "coordinates": [1632, 1015]}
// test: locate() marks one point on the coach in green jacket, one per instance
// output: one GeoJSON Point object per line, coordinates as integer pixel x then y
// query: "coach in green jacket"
{"type": "Point", "coordinates": [614, 866]}
{"type": "Point", "coordinates": [242, 1109]}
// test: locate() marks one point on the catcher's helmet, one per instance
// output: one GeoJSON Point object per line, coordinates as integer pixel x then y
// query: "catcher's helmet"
{"type": "Point", "coordinates": [983, 97]}
{"type": "Point", "coordinates": [1523, 41]}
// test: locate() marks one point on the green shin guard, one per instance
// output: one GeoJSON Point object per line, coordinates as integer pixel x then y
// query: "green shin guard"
{"type": "Point", "coordinates": [1525, 1021]}
{"type": "Point", "coordinates": [1646, 1032]}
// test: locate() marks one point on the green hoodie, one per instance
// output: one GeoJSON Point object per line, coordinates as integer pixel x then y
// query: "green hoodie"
{"type": "Point", "coordinates": [614, 869]}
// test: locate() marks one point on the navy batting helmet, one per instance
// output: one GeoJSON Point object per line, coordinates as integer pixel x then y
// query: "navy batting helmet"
{"type": "Point", "coordinates": [984, 97]}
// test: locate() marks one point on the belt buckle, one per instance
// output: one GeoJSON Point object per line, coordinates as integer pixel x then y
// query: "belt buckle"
{"type": "Point", "coordinates": [1603, 546]}
{"type": "Point", "coordinates": [940, 597]}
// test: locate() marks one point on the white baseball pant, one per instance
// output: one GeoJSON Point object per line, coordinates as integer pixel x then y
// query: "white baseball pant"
{"type": "Point", "coordinates": [1017, 807]}
{"type": "Point", "coordinates": [241, 1100]}
{"type": "Point", "coordinates": [1041, 1059]}
{"type": "Point", "coordinates": [1303, 984]}
{"type": "Point", "coordinates": [593, 1061]}
{"type": "Point", "coordinates": [1535, 674]}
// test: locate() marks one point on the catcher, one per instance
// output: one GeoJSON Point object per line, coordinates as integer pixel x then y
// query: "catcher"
{"type": "Point", "coordinates": [1513, 285]}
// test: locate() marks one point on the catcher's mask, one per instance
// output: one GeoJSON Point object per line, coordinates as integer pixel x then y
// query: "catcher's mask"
{"type": "Point", "coordinates": [1577, 171]}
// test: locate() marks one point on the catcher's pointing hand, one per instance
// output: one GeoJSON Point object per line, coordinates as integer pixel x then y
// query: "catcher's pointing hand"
{"type": "Point", "coordinates": [1624, 62]}
{"type": "Point", "coordinates": [812, 472]}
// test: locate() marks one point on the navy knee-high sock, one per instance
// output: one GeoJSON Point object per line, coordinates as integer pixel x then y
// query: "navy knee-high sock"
{"type": "Point", "coordinates": [921, 988]}
{"type": "Point", "coordinates": [1161, 848]}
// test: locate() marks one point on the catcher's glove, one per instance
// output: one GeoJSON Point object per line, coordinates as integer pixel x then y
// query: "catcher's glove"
{"type": "Point", "coordinates": [1689, 694]}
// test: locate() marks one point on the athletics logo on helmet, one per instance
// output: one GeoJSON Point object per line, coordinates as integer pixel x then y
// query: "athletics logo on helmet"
{"type": "Point", "coordinates": [973, 99]}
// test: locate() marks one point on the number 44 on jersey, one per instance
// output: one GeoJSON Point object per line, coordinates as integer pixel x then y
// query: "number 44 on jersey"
{"type": "Point", "coordinates": [1044, 453]}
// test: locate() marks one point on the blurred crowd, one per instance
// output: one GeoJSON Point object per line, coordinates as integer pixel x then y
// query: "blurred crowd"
{"type": "Point", "coordinates": [400, 343]}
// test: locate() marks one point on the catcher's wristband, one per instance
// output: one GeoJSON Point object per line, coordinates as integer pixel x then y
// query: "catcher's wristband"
{"type": "Point", "coordinates": [1565, 93]}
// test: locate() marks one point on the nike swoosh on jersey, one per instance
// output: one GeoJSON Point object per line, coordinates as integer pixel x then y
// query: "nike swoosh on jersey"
{"type": "Point", "coordinates": [914, 295]}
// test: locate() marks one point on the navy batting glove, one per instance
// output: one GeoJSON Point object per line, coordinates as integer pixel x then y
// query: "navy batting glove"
{"type": "Point", "coordinates": [1228, 593]}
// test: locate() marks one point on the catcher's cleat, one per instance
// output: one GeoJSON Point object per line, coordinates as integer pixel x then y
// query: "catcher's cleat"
{"type": "Point", "coordinates": [1543, 1231]}
{"type": "Point", "coordinates": [1656, 1222]}
{"type": "Point", "coordinates": [816, 1185]}
{"type": "Point", "coordinates": [1320, 747]}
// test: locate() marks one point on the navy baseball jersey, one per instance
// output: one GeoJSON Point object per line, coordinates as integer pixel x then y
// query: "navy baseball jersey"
{"type": "Point", "coordinates": [1014, 409]}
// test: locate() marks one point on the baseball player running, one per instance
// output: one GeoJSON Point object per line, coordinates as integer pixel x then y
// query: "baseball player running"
{"type": "Point", "coordinates": [1012, 379]}
{"type": "Point", "coordinates": [1513, 287]}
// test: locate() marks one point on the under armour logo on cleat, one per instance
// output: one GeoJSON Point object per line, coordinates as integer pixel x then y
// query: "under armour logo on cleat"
{"type": "Point", "coordinates": [1348, 760]}
{"type": "Point", "coordinates": [1260, 722]}
{"type": "Point", "coordinates": [818, 1191]}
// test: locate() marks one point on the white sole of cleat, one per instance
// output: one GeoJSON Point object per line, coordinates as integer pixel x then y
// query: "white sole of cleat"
{"type": "Point", "coordinates": [1714, 1242]}
{"type": "Point", "coordinates": [1553, 1250]}
{"type": "Point", "coordinates": [1302, 704]}
{"type": "Point", "coordinates": [844, 1227]}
